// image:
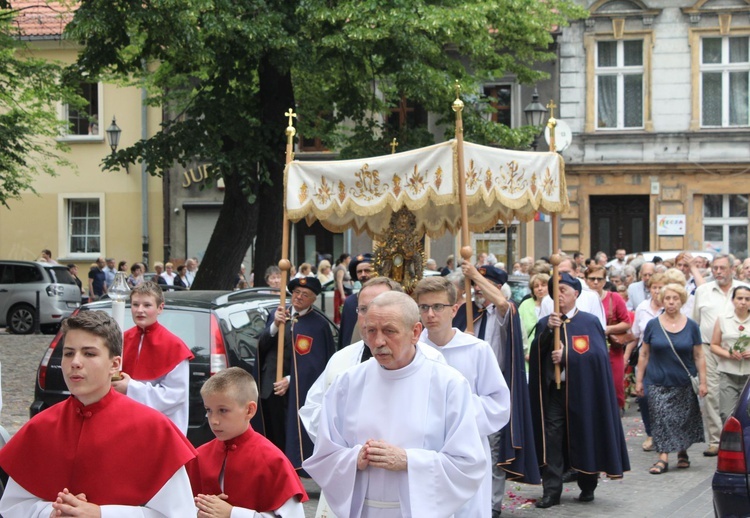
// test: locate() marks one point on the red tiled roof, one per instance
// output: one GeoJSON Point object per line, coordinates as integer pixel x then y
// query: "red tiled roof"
{"type": "Point", "coordinates": [39, 19]}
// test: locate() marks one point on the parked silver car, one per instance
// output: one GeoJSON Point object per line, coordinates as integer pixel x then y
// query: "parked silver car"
{"type": "Point", "coordinates": [21, 281]}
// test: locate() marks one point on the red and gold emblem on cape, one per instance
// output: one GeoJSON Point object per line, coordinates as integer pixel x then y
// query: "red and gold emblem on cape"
{"type": "Point", "coordinates": [581, 344]}
{"type": "Point", "coordinates": [303, 344]}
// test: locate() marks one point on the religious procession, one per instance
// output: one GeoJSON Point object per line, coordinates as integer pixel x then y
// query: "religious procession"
{"type": "Point", "coordinates": [440, 391]}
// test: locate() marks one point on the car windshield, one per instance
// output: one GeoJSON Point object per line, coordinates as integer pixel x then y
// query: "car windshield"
{"type": "Point", "coordinates": [519, 287]}
{"type": "Point", "coordinates": [61, 275]}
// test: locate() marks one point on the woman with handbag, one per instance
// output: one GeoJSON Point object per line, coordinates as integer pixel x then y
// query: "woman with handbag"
{"type": "Point", "coordinates": [644, 313]}
{"type": "Point", "coordinates": [731, 345]}
{"type": "Point", "coordinates": [617, 330]}
{"type": "Point", "coordinates": [670, 360]}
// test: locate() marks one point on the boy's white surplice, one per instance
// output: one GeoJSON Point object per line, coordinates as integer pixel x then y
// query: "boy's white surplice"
{"type": "Point", "coordinates": [425, 408]}
{"type": "Point", "coordinates": [474, 359]}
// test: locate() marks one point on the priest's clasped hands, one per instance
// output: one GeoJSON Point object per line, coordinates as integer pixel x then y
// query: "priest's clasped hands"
{"type": "Point", "coordinates": [380, 454]}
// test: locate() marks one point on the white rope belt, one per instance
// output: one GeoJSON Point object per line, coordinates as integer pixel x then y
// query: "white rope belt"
{"type": "Point", "coordinates": [381, 505]}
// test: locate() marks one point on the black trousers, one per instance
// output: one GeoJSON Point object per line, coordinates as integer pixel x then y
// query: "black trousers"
{"type": "Point", "coordinates": [274, 419]}
{"type": "Point", "coordinates": [555, 436]}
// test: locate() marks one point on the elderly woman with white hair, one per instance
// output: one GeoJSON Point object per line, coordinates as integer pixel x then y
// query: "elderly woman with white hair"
{"type": "Point", "coordinates": [671, 354]}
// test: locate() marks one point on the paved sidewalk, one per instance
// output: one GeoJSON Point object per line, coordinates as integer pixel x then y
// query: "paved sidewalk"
{"type": "Point", "coordinates": [679, 493]}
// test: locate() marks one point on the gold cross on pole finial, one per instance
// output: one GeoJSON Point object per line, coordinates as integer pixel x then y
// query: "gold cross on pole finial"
{"type": "Point", "coordinates": [551, 105]}
{"type": "Point", "coordinates": [457, 89]}
{"type": "Point", "coordinates": [394, 145]}
{"type": "Point", "coordinates": [290, 114]}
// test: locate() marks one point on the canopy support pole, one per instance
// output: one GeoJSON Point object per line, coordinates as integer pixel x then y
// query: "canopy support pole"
{"type": "Point", "coordinates": [284, 264]}
{"type": "Point", "coordinates": [466, 251]}
{"type": "Point", "coordinates": [555, 258]}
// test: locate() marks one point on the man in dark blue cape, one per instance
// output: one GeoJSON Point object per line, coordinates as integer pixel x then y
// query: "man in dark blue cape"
{"type": "Point", "coordinates": [308, 343]}
{"type": "Point", "coordinates": [360, 268]}
{"type": "Point", "coordinates": [512, 447]}
{"type": "Point", "coordinates": [577, 426]}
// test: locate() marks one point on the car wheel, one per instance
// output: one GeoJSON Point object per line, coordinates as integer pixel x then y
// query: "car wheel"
{"type": "Point", "coordinates": [21, 319]}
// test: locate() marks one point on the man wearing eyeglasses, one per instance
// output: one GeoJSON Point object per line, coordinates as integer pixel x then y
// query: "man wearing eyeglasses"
{"type": "Point", "coordinates": [711, 300]}
{"type": "Point", "coordinates": [308, 345]}
{"type": "Point", "coordinates": [497, 322]}
{"type": "Point", "coordinates": [436, 298]}
{"type": "Point", "coordinates": [587, 301]}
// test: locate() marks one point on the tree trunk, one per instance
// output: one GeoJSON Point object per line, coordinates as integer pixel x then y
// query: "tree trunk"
{"type": "Point", "coordinates": [276, 97]}
{"type": "Point", "coordinates": [232, 236]}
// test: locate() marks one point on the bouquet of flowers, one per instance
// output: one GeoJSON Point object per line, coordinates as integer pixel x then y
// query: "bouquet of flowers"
{"type": "Point", "coordinates": [742, 343]}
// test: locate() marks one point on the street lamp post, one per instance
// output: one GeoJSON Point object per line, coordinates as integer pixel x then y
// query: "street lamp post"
{"type": "Point", "coordinates": [535, 113]}
{"type": "Point", "coordinates": [113, 138]}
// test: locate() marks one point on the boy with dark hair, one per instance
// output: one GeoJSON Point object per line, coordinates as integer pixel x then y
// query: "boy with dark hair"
{"type": "Point", "coordinates": [81, 457]}
{"type": "Point", "coordinates": [241, 473]}
{"type": "Point", "coordinates": [155, 362]}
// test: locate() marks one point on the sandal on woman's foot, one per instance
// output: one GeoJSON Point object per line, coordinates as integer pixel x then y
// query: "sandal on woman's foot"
{"type": "Point", "coordinates": [659, 467]}
{"type": "Point", "coordinates": [683, 461]}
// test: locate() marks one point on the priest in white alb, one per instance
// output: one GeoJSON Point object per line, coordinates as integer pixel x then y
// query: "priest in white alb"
{"type": "Point", "coordinates": [397, 437]}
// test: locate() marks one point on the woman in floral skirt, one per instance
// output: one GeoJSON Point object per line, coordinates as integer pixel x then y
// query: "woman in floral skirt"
{"type": "Point", "coordinates": [672, 348]}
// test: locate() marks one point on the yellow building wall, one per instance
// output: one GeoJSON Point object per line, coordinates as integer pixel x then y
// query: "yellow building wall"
{"type": "Point", "coordinates": [33, 222]}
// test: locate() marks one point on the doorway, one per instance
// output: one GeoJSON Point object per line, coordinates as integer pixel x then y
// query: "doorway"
{"type": "Point", "coordinates": [619, 222]}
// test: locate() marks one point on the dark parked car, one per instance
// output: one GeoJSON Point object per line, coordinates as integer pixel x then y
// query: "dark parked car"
{"type": "Point", "coordinates": [731, 482]}
{"type": "Point", "coordinates": [220, 328]}
{"type": "Point", "coordinates": [20, 284]}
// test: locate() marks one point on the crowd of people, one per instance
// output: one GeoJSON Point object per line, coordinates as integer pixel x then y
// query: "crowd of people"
{"type": "Point", "coordinates": [418, 410]}
{"type": "Point", "coordinates": [102, 272]}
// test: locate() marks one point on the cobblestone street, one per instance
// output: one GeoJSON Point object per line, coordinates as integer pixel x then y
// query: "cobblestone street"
{"type": "Point", "coordinates": [682, 493]}
{"type": "Point", "coordinates": [20, 356]}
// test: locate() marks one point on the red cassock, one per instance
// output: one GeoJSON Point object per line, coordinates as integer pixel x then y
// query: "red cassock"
{"type": "Point", "coordinates": [116, 451]}
{"type": "Point", "coordinates": [257, 475]}
{"type": "Point", "coordinates": [160, 353]}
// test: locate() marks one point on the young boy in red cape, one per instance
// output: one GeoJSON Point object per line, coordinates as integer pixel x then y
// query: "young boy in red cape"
{"type": "Point", "coordinates": [155, 362]}
{"type": "Point", "coordinates": [98, 453]}
{"type": "Point", "coordinates": [241, 473]}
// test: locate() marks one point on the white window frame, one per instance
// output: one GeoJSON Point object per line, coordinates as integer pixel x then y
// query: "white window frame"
{"type": "Point", "coordinates": [620, 71]}
{"type": "Point", "coordinates": [64, 225]}
{"type": "Point", "coordinates": [725, 67]}
{"type": "Point", "coordinates": [63, 113]}
{"type": "Point", "coordinates": [724, 221]}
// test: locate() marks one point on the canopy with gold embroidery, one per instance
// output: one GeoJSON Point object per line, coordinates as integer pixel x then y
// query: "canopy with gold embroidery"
{"type": "Point", "coordinates": [362, 194]}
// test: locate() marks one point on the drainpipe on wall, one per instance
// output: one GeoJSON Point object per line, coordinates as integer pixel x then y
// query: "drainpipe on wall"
{"type": "Point", "coordinates": [144, 175]}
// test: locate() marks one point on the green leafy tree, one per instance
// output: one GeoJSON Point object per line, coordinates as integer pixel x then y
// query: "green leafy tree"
{"type": "Point", "coordinates": [29, 89]}
{"type": "Point", "coordinates": [228, 69]}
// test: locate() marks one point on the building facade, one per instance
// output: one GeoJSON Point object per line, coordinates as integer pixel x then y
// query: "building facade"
{"type": "Point", "coordinates": [656, 94]}
{"type": "Point", "coordinates": [83, 212]}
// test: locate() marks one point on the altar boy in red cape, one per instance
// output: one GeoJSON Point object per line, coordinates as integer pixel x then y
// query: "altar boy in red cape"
{"type": "Point", "coordinates": [309, 340]}
{"type": "Point", "coordinates": [577, 426]}
{"type": "Point", "coordinates": [241, 473]}
{"type": "Point", "coordinates": [98, 453]}
{"type": "Point", "coordinates": [155, 362]}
